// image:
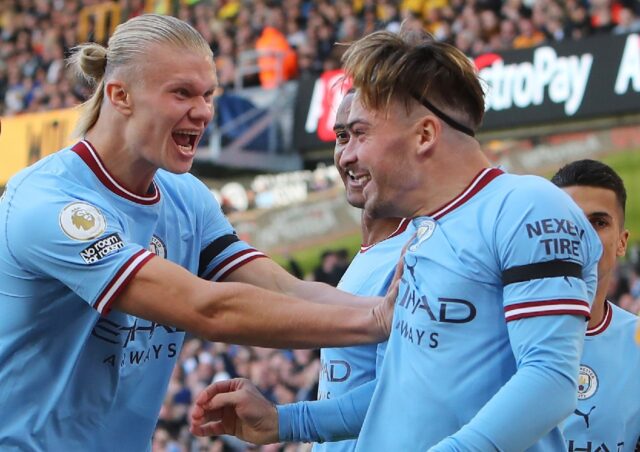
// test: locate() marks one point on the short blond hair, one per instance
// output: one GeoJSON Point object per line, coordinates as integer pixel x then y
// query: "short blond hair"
{"type": "Point", "coordinates": [125, 49]}
{"type": "Point", "coordinates": [413, 66]}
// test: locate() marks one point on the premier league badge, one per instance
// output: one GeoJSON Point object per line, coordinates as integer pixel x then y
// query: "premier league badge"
{"type": "Point", "coordinates": [424, 231]}
{"type": "Point", "coordinates": [82, 221]}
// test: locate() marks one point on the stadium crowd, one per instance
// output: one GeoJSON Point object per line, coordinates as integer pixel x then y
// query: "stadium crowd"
{"type": "Point", "coordinates": [37, 35]}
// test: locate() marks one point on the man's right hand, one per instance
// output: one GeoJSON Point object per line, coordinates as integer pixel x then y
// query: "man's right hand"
{"type": "Point", "coordinates": [383, 312]}
{"type": "Point", "coordinates": [235, 407]}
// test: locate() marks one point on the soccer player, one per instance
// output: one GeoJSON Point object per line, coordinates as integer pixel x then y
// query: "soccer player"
{"type": "Point", "coordinates": [496, 285]}
{"type": "Point", "coordinates": [608, 413]}
{"type": "Point", "coordinates": [100, 246]}
{"type": "Point", "coordinates": [369, 273]}
{"type": "Point", "coordinates": [347, 377]}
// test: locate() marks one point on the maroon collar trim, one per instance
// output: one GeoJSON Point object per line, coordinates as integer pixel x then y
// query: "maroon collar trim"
{"type": "Point", "coordinates": [481, 180]}
{"type": "Point", "coordinates": [89, 155]}
{"type": "Point", "coordinates": [402, 226]}
{"type": "Point", "coordinates": [606, 321]}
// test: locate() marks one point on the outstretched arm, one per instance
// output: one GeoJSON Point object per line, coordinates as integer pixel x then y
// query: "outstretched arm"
{"type": "Point", "coordinates": [236, 407]}
{"type": "Point", "coordinates": [269, 275]}
{"type": "Point", "coordinates": [244, 314]}
{"type": "Point", "coordinates": [326, 420]}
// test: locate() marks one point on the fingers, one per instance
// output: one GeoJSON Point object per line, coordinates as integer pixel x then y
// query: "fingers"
{"type": "Point", "coordinates": [208, 429]}
{"type": "Point", "coordinates": [221, 401]}
{"type": "Point", "coordinates": [210, 391]}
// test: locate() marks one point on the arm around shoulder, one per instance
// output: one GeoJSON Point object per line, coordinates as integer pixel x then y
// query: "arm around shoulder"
{"type": "Point", "coordinates": [241, 313]}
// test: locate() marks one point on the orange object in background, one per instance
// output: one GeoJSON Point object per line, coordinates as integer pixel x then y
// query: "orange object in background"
{"type": "Point", "coordinates": [277, 60]}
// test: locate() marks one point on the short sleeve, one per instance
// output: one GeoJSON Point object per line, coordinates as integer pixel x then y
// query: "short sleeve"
{"type": "Point", "coordinates": [223, 251]}
{"type": "Point", "coordinates": [547, 252]}
{"type": "Point", "coordinates": [77, 241]}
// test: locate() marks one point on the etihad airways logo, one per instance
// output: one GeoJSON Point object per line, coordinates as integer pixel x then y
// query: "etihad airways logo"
{"type": "Point", "coordinates": [563, 79]}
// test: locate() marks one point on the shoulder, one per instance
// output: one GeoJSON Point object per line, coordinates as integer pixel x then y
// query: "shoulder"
{"type": "Point", "coordinates": [54, 179]}
{"type": "Point", "coordinates": [531, 190]}
{"type": "Point", "coordinates": [46, 188]}
{"type": "Point", "coordinates": [623, 317]}
{"type": "Point", "coordinates": [538, 203]}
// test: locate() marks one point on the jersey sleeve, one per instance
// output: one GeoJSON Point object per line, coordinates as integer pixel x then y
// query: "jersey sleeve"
{"type": "Point", "coordinates": [325, 420]}
{"type": "Point", "coordinates": [223, 251]}
{"type": "Point", "coordinates": [547, 253]}
{"type": "Point", "coordinates": [537, 398]}
{"type": "Point", "coordinates": [76, 241]}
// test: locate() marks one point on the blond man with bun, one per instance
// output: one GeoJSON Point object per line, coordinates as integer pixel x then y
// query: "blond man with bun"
{"type": "Point", "coordinates": [109, 251]}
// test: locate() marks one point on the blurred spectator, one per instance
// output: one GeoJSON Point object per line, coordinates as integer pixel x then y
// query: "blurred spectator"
{"type": "Point", "coordinates": [36, 35]}
{"type": "Point", "coordinates": [332, 266]}
{"type": "Point", "coordinates": [277, 60]}
{"type": "Point", "coordinates": [628, 22]}
{"type": "Point", "coordinates": [528, 35]}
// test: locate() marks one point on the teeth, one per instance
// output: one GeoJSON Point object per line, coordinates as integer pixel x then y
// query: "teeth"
{"type": "Point", "coordinates": [185, 148]}
{"type": "Point", "coordinates": [361, 180]}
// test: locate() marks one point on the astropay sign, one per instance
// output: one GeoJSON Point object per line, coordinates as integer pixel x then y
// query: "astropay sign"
{"type": "Point", "coordinates": [565, 81]}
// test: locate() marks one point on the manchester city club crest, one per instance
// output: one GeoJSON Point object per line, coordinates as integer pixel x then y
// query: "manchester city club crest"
{"type": "Point", "coordinates": [423, 232]}
{"type": "Point", "coordinates": [587, 382]}
{"type": "Point", "coordinates": [157, 247]}
{"type": "Point", "coordinates": [82, 221]}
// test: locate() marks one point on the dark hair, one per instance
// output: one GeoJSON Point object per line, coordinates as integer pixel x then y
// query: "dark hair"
{"type": "Point", "coordinates": [591, 173]}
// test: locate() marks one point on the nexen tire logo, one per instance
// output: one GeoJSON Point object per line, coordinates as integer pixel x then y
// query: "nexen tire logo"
{"type": "Point", "coordinates": [562, 79]}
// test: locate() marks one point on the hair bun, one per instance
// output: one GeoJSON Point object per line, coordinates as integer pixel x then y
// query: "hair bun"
{"type": "Point", "coordinates": [93, 61]}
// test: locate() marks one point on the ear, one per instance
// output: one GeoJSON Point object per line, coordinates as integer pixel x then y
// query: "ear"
{"type": "Point", "coordinates": [118, 96]}
{"type": "Point", "coordinates": [621, 249]}
{"type": "Point", "coordinates": [429, 133]}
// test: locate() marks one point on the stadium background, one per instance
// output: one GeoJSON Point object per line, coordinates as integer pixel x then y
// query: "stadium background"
{"type": "Point", "coordinates": [563, 83]}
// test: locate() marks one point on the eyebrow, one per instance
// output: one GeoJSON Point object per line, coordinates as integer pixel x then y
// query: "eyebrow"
{"type": "Point", "coordinates": [600, 214]}
{"type": "Point", "coordinates": [339, 126]}
{"type": "Point", "coordinates": [191, 84]}
{"type": "Point", "coordinates": [350, 124]}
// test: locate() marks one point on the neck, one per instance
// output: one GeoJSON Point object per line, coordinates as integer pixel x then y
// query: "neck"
{"type": "Point", "coordinates": [597, 309]}
{"type": "Point", "coordinates": [447, 175]}
{"type": "Point", "coordinates": [375, 230]}
{"type": "Point", "coordinates": [131, 172]}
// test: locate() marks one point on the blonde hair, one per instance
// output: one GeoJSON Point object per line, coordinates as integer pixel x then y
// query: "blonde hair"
{"type": "Point", "coordinates": [126, 48]}
{"type": "Point", "coordinates": [412, 66]}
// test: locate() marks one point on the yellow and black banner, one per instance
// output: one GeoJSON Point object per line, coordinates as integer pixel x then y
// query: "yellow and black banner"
{"type": "Point", "coordinates": [27, 138]}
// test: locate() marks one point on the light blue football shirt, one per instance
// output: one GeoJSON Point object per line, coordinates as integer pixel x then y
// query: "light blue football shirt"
{"type": "Point", "coordinates": [345, 368]}
{"type": "Point", "coordinates": [608, 414]}
{"type": "Point", "coordinates": [489, 322]}
{"type": "Point", "coordinates": [75, 375]}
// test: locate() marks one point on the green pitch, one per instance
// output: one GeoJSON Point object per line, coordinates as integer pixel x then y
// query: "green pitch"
{"type": "Point", "coordinates": [627, 164]}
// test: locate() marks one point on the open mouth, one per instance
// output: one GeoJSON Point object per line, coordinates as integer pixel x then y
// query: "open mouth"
{"type": "Point", "coordinates": [358, 180]}
{"type": "Point", "coordinates": [186, 140]}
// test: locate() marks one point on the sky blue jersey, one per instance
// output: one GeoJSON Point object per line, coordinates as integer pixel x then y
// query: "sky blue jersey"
{"type": "Point", "coordinates": [74, 374]}
{"type": "Point", "coordinates": [489, 322]}
{"type": "Point", "coordinates": [343, 369]}
{"type": "Point", "coordinates": [608, 414]}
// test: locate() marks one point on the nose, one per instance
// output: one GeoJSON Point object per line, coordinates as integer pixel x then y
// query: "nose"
{"type": "Point", "coordinates": [347, 154]}
{"type": "Point", "coordinates": [202, 110]}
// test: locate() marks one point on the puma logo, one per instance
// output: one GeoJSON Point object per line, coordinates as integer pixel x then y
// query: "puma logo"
{"type": "Point", "coordinates": [412, 269]}
{"type": "Point", "coordinates": [584, 415]}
